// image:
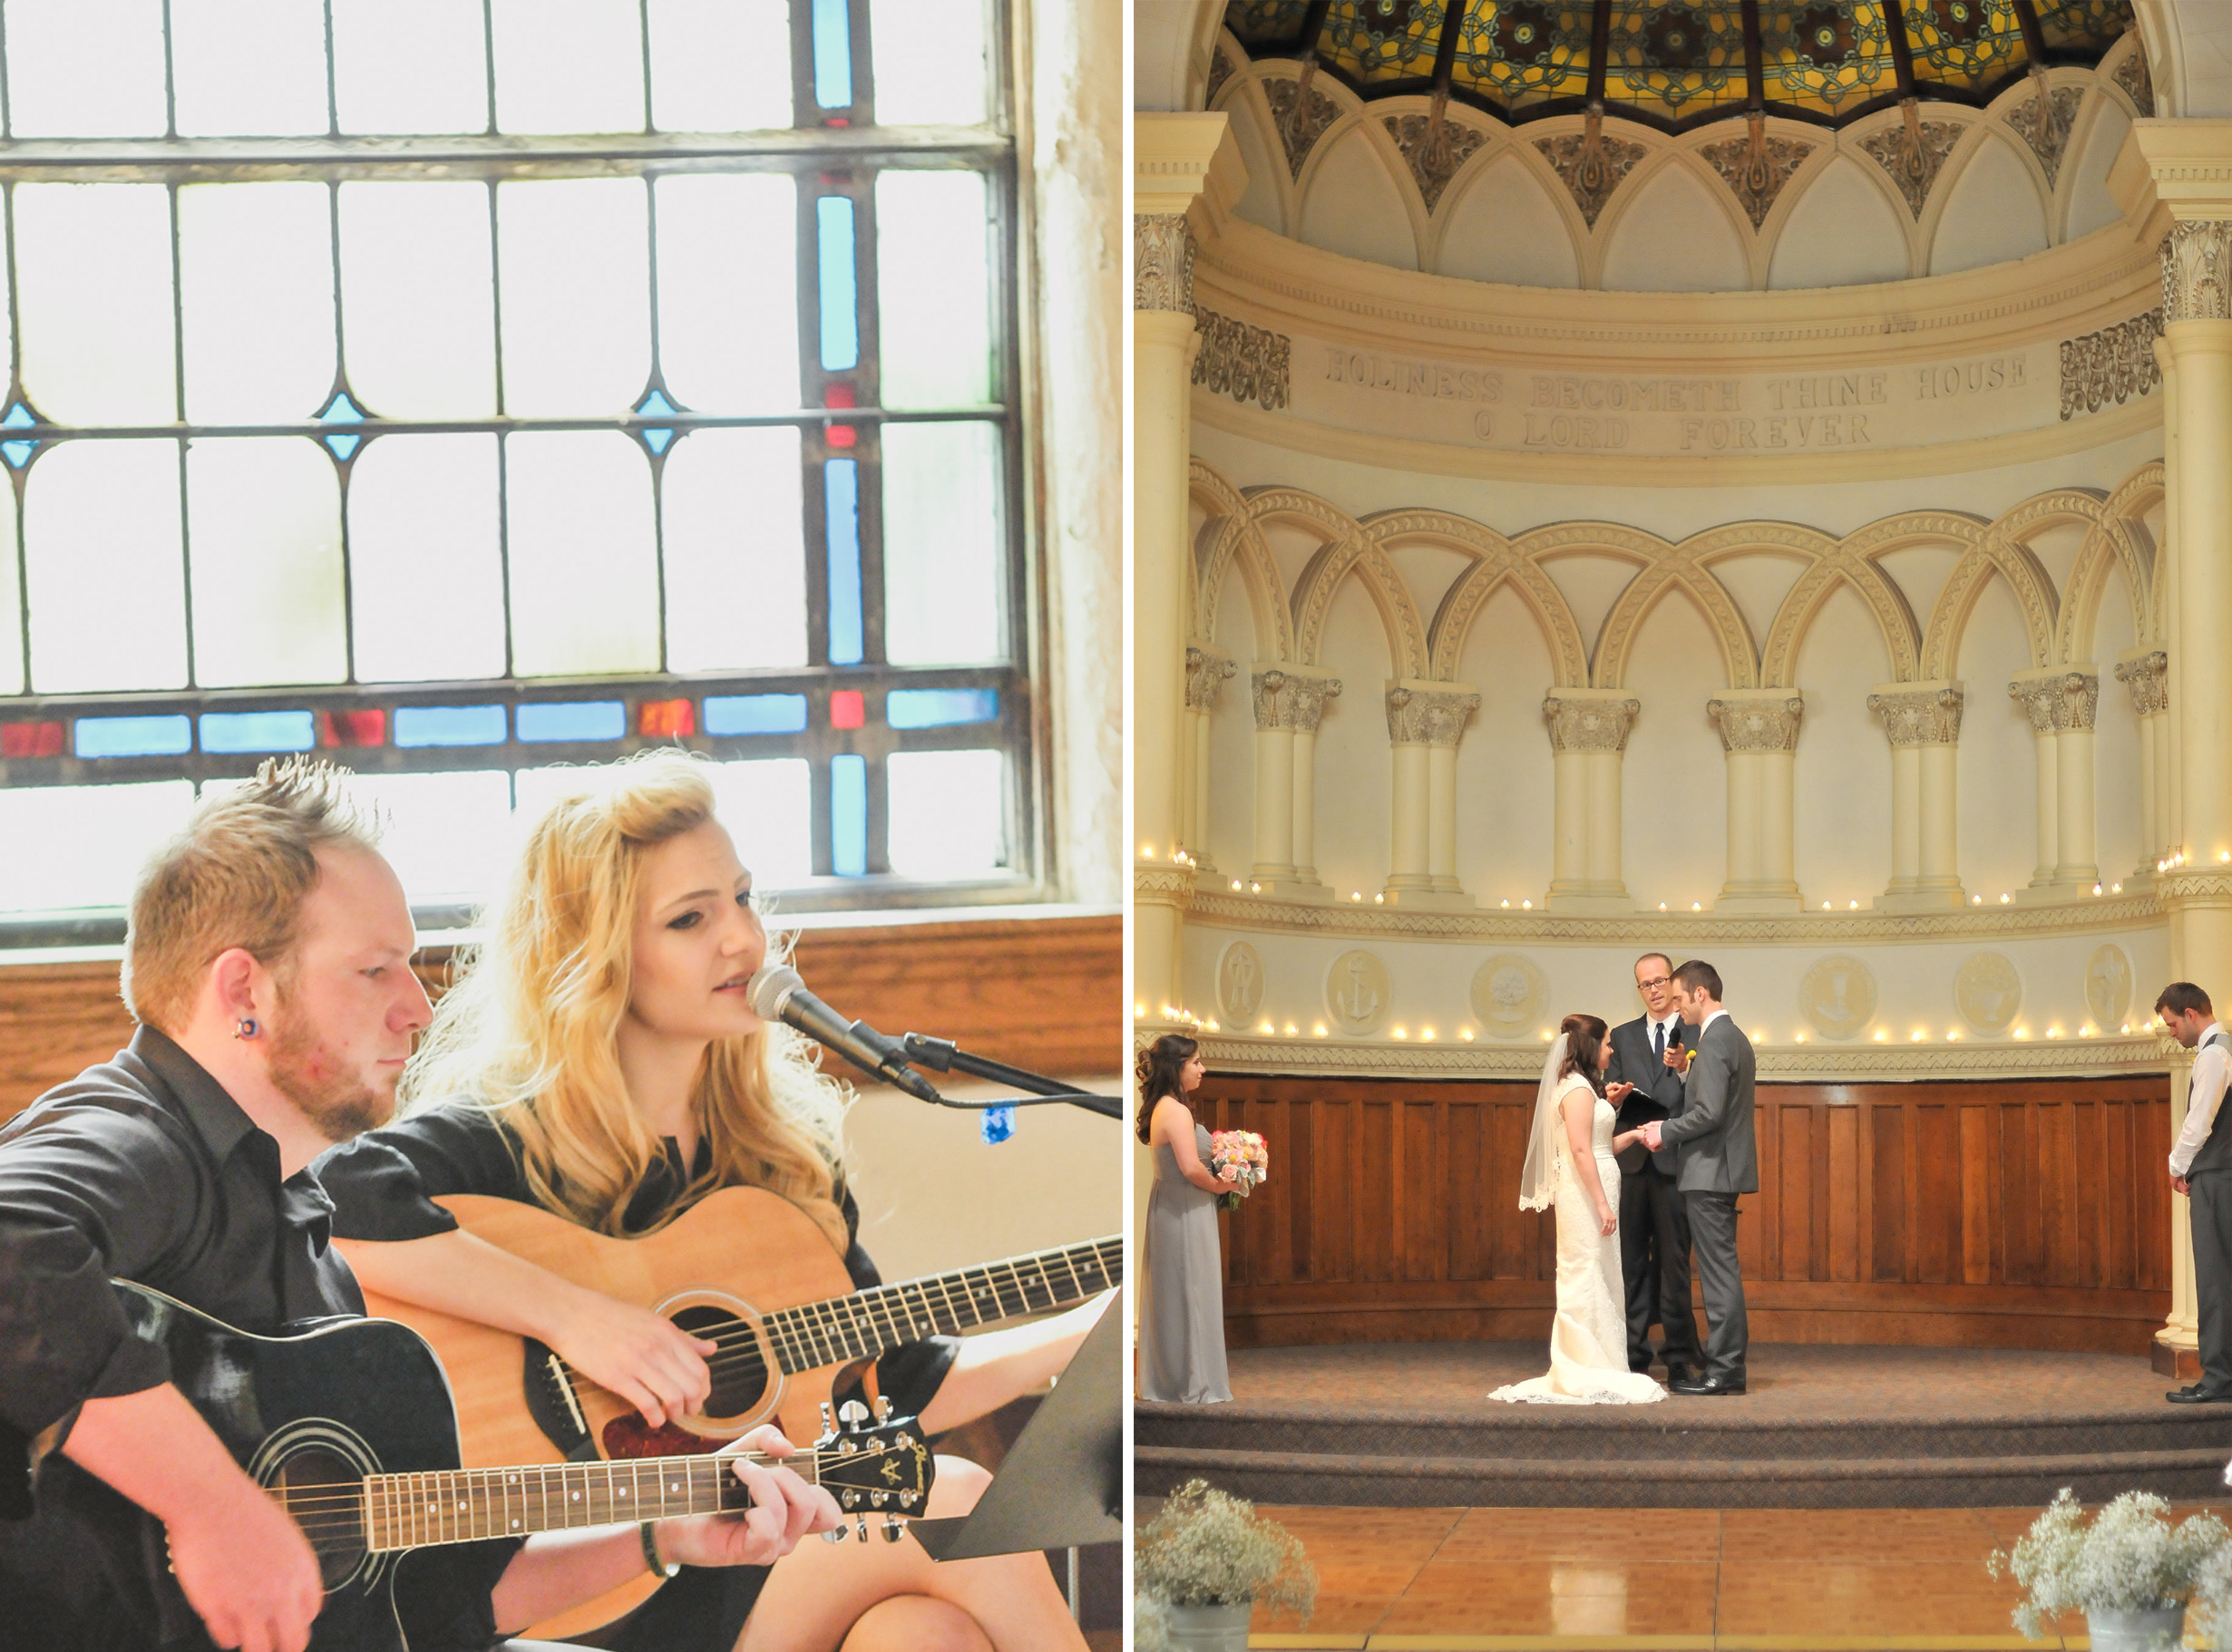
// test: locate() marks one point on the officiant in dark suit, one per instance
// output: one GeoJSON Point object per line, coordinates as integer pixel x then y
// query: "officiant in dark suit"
{"type": "Point", "coordinates": [1654, 1230]}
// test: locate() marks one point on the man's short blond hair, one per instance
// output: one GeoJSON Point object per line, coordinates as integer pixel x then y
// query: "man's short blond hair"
{"type": "Point", "coordinates": [235, 877]}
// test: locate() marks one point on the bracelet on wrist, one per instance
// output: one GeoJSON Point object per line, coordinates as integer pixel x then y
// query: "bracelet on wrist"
{"type": "Point", "coordinates": [648, 1533]}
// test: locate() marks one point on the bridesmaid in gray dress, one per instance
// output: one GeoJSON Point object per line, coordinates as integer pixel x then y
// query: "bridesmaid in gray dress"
{"type": "Point", "coordinates": [1182, 1317]}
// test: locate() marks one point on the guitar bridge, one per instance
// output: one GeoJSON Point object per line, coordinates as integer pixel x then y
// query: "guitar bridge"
{"type": "Point", "coordinates": [553, 1405]}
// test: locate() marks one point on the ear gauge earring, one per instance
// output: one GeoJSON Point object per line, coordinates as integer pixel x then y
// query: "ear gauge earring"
{"type": "Point", "coordinates": [245, 1028]}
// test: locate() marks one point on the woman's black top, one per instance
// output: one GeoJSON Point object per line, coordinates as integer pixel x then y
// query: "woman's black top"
{"type": "Point", "coordinates": [382, 1185]}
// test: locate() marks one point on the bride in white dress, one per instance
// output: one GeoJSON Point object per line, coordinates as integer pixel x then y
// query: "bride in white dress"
{"type": "Point", "coordinates": [1570, 1167]}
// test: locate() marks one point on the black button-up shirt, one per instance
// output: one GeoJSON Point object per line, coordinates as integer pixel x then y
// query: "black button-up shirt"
{"type": "Point", "coordinates": [144, 1169]}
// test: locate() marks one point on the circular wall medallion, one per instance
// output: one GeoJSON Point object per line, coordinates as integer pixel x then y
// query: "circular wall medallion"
{"type": "Point", "coordinates": [1358, 993]}
{"type": "Point", "coordinates": [1838, 996]}
{"type": "Point", "coordinates": [2108, 987]}
{"type": "Point", "coordinates": [1240, 985]}
{"type": "Point", "coordinates": [1507, 996]}
{"type": "Point", "coordinates": [1989, 991]}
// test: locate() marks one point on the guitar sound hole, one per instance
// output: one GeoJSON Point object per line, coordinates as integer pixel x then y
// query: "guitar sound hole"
{"type": "Point", "coordinates": [739, 1370]}
{"type": "Point", "coordinates": [321, 1493]}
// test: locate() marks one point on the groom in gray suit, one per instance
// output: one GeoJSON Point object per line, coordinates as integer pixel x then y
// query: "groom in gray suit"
{"type": "Point", "coordinates": [1717, 1159]}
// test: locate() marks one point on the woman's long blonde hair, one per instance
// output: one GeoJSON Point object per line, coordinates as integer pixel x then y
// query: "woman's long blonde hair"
{"type": "Point", "coordinates": [529, 1030]}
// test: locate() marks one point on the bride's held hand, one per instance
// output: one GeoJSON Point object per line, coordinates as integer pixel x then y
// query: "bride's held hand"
{"type": "Point", "coordinates": [1607, 1221]}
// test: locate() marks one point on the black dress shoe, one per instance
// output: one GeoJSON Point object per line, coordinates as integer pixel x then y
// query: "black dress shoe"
{"type": "Point", "coordinates": [2200, 1394]}
{"type": "Point", "coordinates": [1705, 1385]}
{"type": "Point", "coordinates": [1677, 1374]}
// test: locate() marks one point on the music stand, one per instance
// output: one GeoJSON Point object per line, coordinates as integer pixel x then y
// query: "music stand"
{"type": "Point", "coordinates": [1061, 1485]}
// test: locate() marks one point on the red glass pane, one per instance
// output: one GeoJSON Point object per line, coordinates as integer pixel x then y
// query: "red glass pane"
{"type": "Point", "coordinates": [337, 728]}
{"type": "Point", "coordinates": [838, 395]}
{"type": "Point", "coordinates": [840, 435]}
{"type": "Point", "coordinates": [848, 709]}
{"type": "Point", "coordinates": [665, 719]}
{"type": "Point", "coordinates": [31, 739]}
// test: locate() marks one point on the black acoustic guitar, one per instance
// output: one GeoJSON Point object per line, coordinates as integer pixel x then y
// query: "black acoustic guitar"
{"type": "Point", "coordinates": [348, 1424]}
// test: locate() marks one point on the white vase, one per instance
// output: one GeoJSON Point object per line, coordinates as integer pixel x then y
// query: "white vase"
{"type": "Point", "coordinates": [2162, 1630]}
{"type": "Point", "coordinates": [1211, 1628]}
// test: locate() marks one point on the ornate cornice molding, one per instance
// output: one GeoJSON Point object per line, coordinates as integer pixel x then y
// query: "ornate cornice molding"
{"type": "Point", "coordinates": [1793, 1064]}
{"type": "Point", "coordinates": [2148, 678]}
{"type": "Point", "coordinates": [1157, 885]}
{"type": "Point", "coordinates": [1163, 255]}
{"type": "Point", "coordinates": [1681, 931]}
{"type": "Point", "coordinates": [1756, 723]}
{"type": "Point", "coordinates": [1429, 716]}
{"type": "Point", "coordinates": [2112, 364]}
{"type": "Point", "coordinates": [2197, 271]}
{"type": "Point", "coordinates": [1248, 364]}
{"type": "Point", "coordinates": [1927, 714]}
{"type": "Point", "coordinates": [2194, 887]}
{"type": "Point", "coordinates": [1590, 722]}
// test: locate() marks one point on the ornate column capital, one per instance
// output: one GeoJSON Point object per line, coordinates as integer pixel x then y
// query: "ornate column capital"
{"type": "Point", "coordinates": [1286, 697]}
{"type": "Point", "coordinates": [1204, 673]}
{"type": "Point", "coordinates": [2147, 676]}
{"type": "Point", "coordinates": [1919, 714]}
{"type": "Point", "coordinates": [1162, 262]}
{"type": "Point", "coordinates": [2057, 700]}
{"type": "Point", "coordinates": [1424, 713]}
{"type": "Point", "coordinates": [1589, 720]}
{"type": "Point", "coordinates": [2197, 271]}
{"type": "Point", "coordinates": [1754, 721]}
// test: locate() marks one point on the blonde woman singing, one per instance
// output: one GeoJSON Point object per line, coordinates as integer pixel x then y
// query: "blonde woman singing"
{"type": "Point", "coordinates": [598, 1058]}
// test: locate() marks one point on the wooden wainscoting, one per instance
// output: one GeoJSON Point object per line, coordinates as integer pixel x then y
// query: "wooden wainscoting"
{"type": "Point", "coordinates": [2030, 1213]}
{"type": "Point", "coordinates": [1041, 993]}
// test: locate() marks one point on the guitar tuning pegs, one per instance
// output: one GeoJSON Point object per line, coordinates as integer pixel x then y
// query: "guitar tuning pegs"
{"type": "Point", "coordinates": [835, 1534]}
{"type": "Point", "coordinates": [852, 1499]}
{"type": "Point", "coordinates": [827, 1426]}
{"type": "Point", "coordinates": [854, 1416]}
{"type": "Point", "coordinates": [883, 1408]}
{"type": "Point", "coordinates": [891, 1527]}
{"type": "Point", "coordinates": [878, 1499]}
{"type": "Point", "coordinates": [862, 1529]}
{"type": "Point", "coordinates": [907, 1500]}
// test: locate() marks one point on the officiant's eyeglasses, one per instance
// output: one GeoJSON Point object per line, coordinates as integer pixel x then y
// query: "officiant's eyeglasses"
{"type": "Point", "coordinates": [1655, 981]}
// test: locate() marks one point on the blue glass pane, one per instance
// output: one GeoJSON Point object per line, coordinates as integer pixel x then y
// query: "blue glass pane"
{"type": "Point", "coordinates": [573, 720]}
{"type": "Point", "coordinates": [258, 731]}
{"type": "Point", "coordinates": [657, 439]}
{"type": "Point", "coordinates": [841, 336]}
{"type": "Point", "coordinates": [840, 488]}
{"type": "Point", "coordinates": [654, 405]}
{"type": "Point", "coordinates": [848, 816]}
{"type": "Point", "coordinates": [449, 725]}
{"type": "Point", "coordinates": [344, 446]}
{"type": "Point", "coordinates": [755, 714]}
{"type": "Point", "coordinates": [20, 417]}
{"type": "Point", "coordinates": [342, 411]}
{"type": "Point", "coordinates": [938, 707]}
{"type": "Point", "coordinates": [134, 736]}
{"type": "Point", "coordinates": [833, 54]}
{"type": "Point", "coordinates": [18, 454]}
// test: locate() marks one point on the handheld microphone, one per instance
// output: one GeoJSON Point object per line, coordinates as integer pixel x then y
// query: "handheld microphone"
{"type": "Point", "coordinates": [778, 993]}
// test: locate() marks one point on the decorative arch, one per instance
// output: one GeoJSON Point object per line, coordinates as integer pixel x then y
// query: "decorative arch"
{"type": "Point", "coordinates": [1830, 562]}
{"type": "Point", "coordinates": [1495, 560]}
{"type": "Point", "coordinates": [1666, 568]}
{"type": "Point", "coordinates": [1346, 550]}
{"type": "Point", "coordinates": [1230, 540]}
{"type": "Point", "coordinates": [1996, 548]}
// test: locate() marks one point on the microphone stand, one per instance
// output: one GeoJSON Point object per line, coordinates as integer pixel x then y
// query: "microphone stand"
{"type": "Point", "coordinates": [943, 1055]}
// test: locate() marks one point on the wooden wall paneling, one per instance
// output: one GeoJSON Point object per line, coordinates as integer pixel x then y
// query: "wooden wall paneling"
{"type": "Point", "coordinates": [1375, 1191]}
{"type": "Point", "coordinates": [1296, 1173]}
{"type": "Point", "coordinates": [1334, 1147]}
{"type": "Point", "coordinates": [1937, 1173]}
{"type": "Point", "coordinates": [2019, 1194]}
{"type": "Point", "coordinates": [1423, 1209]}
{"type": "Point", "coordinates": [2056, 1204]}
{"type": "Point", "coordinates": [1888, 1179]}
{"type": "Point", "coordinates": [1471, 1253]}
{"type": "Point", "coordinates": [1794, 1167]}
{"type": "Point", "coordinates": [1910, 1190]}
{"type": "Point", "coordinates": [1843, 1172]}
{"type": "Point", "coordinates": [1976, 1196]}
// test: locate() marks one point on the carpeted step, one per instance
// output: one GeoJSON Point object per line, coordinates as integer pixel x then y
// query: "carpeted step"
{"type": "Point", "coordinates": [2194, 1474]}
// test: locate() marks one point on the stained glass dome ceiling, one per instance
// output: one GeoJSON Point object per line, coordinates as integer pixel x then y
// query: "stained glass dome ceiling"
{"type": "Point", "coordinates": [1674, 65]}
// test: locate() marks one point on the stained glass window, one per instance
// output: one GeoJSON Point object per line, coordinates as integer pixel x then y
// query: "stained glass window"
{"type": "Point", "coordinates": [475, 388]}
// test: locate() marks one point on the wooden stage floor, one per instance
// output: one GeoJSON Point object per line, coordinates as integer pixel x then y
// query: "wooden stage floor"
{"type": "Point", "coordinates": [1654, 1580]}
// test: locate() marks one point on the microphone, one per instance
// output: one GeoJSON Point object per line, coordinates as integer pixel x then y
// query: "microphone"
{"type": "Point", "coordinates": [778, 993]}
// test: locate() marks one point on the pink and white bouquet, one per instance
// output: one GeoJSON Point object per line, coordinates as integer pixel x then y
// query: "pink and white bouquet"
{"type": "Point", "coordinates": [1241, 1158]}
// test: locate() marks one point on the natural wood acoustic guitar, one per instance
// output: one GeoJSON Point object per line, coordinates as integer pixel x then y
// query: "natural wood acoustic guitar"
{"type": "Point", "coordinates": [744, 1268]}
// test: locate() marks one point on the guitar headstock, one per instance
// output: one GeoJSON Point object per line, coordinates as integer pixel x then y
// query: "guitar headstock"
{"type": "Point", "coordinates": [873, 1465]}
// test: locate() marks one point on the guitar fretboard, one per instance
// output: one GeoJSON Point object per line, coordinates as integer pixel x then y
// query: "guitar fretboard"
{"type": "Point", "coordinates": [858, 1326]}
{"type": "Point", "coordinates": [466, 1505]}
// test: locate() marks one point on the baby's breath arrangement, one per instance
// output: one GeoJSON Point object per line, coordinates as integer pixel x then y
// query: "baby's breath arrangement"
{"type": "Point", "coordinates": [1209, 1549]}
{"type": "Point", "coordinates": [1150, 1626]}
{"type": "Point", "coordinates": [2130, 1558]}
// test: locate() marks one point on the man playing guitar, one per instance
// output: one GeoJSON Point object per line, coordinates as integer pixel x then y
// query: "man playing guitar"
{"type": "Point", "coordinates": [268, 966]}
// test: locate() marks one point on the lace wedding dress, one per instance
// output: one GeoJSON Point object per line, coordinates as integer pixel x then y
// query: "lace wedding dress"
{"type": "Point", "coordinates": [1588, 1339]}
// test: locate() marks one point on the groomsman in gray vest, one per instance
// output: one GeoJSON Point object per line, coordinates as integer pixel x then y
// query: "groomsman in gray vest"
{"type": "Point", "coordinates": [2201, 1169]}
{"type": "Point", "coordinates": [1717, 1159]}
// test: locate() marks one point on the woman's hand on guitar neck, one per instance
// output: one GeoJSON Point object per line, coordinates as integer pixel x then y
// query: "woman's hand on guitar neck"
{"type": "Point", "coordinates": [652, 1363]}
{"type": "Point", "coordinates": [785, 1511]}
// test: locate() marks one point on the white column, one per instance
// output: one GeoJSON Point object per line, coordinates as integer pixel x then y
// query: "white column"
{"type": "Point", "coordinates": [1307, 694]}
{"type": "Point", "coordinates": [1425, 722]}
{"type": "Point", "coordinates": [2146, 673]}
{"type": "Point", "coordinates": [1186, 175]}
{"type": "Point", "coordinates": [2078, 831]}
{"type": "Point", "coordinates": [2038, 692]}
{"type": "Point", "coordinates": [1758, 733]}
{"type": "Point", "coordinates": [1588, 735]}
{"type": "Point", "coordinates": [1289, 704]}
{"type": "Point", "coordinates": [1206, 673]}
{"type": "Point", "coordinates": [1923, 723]}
